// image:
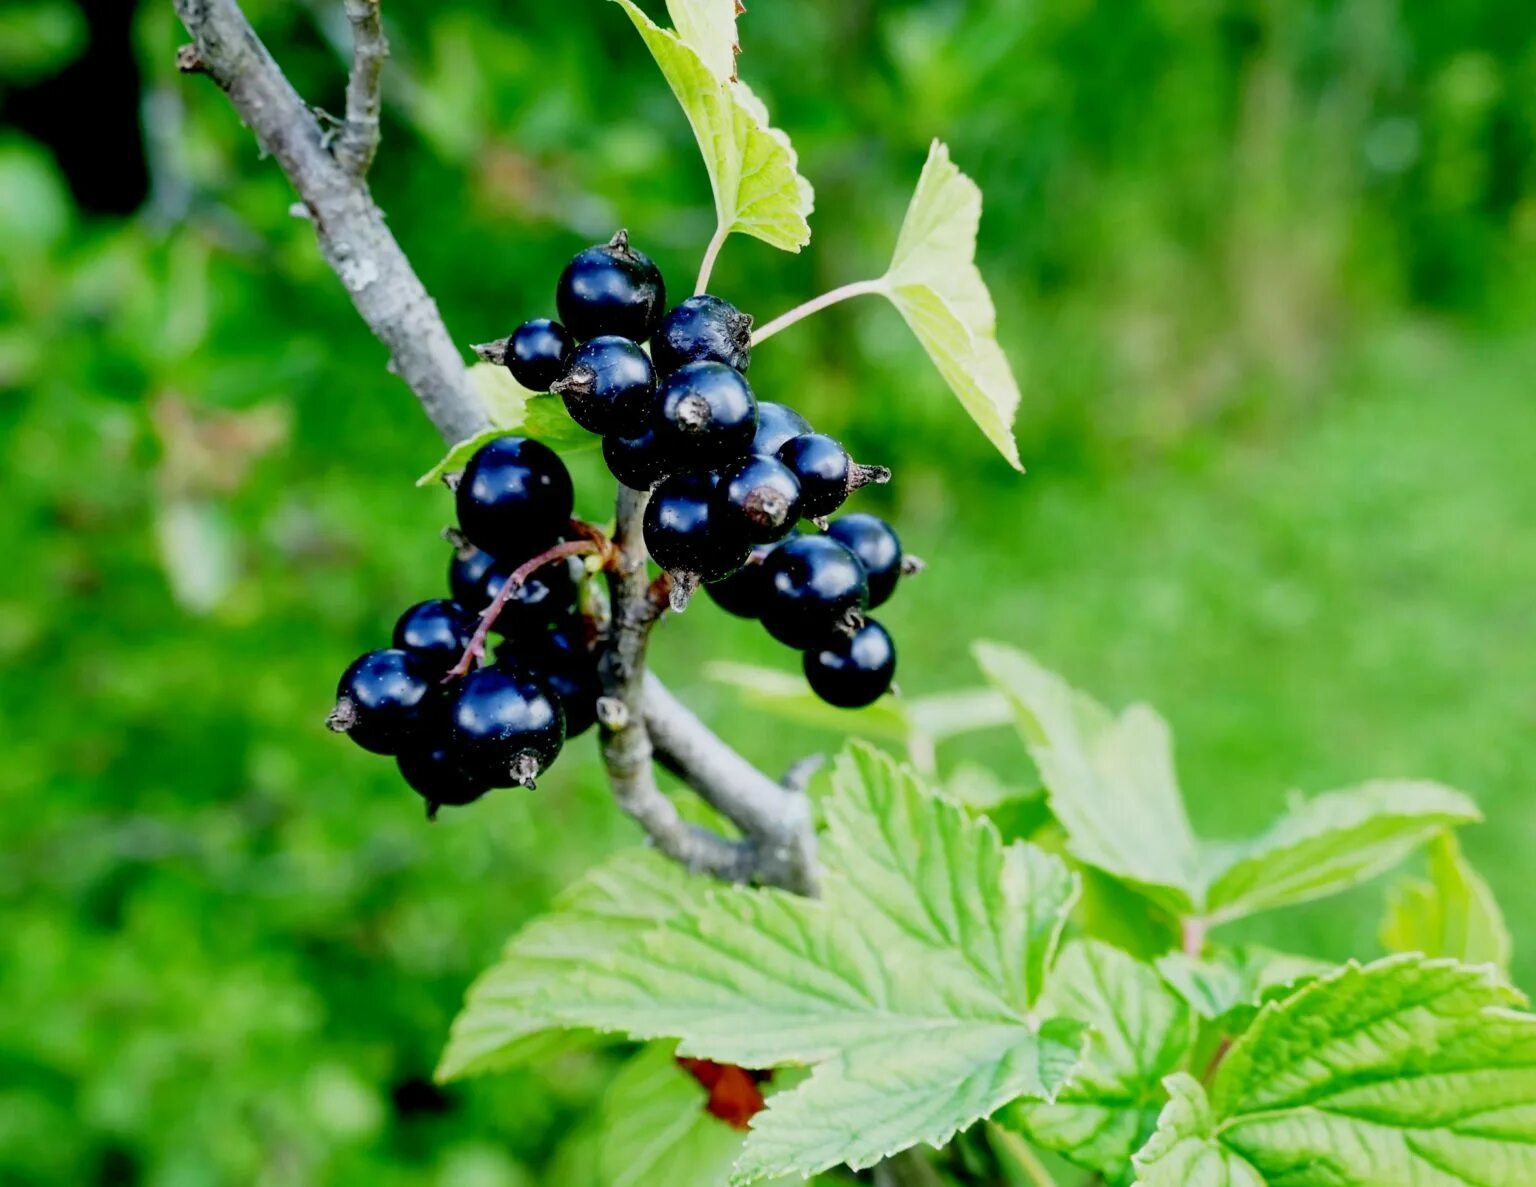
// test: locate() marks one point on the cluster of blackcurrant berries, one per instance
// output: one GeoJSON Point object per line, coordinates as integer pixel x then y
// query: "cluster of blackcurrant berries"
{"type": "Point", "coordinates": [730, 479]}
{"type": "Point", "coordinates": [730, 476]}
{"type": "Point", "coordinates": [458, 730]}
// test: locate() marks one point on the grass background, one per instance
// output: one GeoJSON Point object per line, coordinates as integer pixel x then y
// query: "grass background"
{"type": "Point", "coordinates": [1266, 274]}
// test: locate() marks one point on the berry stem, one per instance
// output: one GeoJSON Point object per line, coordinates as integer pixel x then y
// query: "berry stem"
{"type": "Point", "coordinates": [711, 254]}
{"type": "Point", "coordinates": [859, 288]}
{"type": "Point", "coordinates": [559, 552]}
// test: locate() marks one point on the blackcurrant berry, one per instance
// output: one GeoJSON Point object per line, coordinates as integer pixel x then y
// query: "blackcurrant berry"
{"type": "Point", "coordinates": [546, 595]}
{"type": "Point", "coordinates": [506, 728]}
{"type": "Point", "coordinates": [514, 498]}
{"type": "Point", "coordinates": [703, 329]}
{"type": "Point", "coordinates": [815, 587]}
{"type": "Point", "coordinates": [706, 413]}
{"type": "Point", "coordinates": [851, 671]}
{"type": "Point", "coordinates": [759, 498]}
{"type": "Point", "coordinates": [638, 462]}
{"type": "Point", "coordinates": [743, 592]}
{"type": "Point", "coordinates": [611, 289]}
{"type": "Point", "coordinates": [466, 577]}
{"type": "Point", "coordinates": [561, 662]}
{"type": "Point", "coordinates": [776, 424]}
{"type": "Point", "coordinates": [683, 534]}
{"type": "Point", "coordinates": [537, 353]}
{"type": "Point", "coordinates": [380, 700]}
{"type": "Point", "coordinates": [827, 474]}
{"type": "Point", "coordinates": [609, 385]}
{"type": "Point", "coordinates": [436, 633]}
{"type": "Point", "coordinates": [878, 548]}
{"type": "Point", "coordinates": [433, 773]}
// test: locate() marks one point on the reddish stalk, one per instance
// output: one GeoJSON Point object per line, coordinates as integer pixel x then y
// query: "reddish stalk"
{"type": "Point", "coordinates": [592, 543]}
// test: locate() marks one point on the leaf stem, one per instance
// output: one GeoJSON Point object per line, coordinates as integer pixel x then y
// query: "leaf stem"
{"type": "Point", "coordinates": [859, 288]}
{"type": "Point", "coordinates": [1192, 933]}
{"type": "Point", "coordinates": [711, 254]}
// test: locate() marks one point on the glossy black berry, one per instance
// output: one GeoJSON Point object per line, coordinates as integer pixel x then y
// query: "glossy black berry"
{"type": "Point", "coordinates": [706, 414]}
{"type": "Point", "coordinates": [505, 727]}
{"type": "Point", "coordinates": [514, 498]}
{"type": "Point", "coordinates": [815, 586]}
{"type": "Point", "coordinates": [878, 548]}
{"type": "Point", "coordinates": [851, 671]}
{"type": "Point", "coordinates": [436, 633]}
{"type": "Point", "coordinates": [609, 385]}
{"type": "Point", "coordinates": [537, 353]}
{"type": "Point", "coordinates": [743, 592]}
{"type": "Point", "coordinates": [611, 289]}
{"type": "Point", "coordinates": [559, 659]}
{"type": "Point", "coordinates": [433, 773]}
{"type": "Point", "coordinates": [638, 462]}
{"type": "Point", "coordinates": [683, 534]}
{"type": "Point", "coordinates": [380, 700]}
{"type": "Point", "coordinates": [776, 424]}
{"type": "Point", "coordinates": [824, 469]}
{"type": "Point", "coordinates": [466, 577]}
{"type": "Point", "coordinates": [545, 596]}
{"type": "Point", "coordinates": [703, 329]}
{"type": "Point", "coordinates": [759, 498]}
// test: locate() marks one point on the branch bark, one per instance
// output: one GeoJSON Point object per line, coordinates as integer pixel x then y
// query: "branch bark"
{"type": "Point", "coordinates": [359, 138]}
{"type": "Point", "coordinates": [351, 231]}
{"type": "Point", "coordinates": [778, 841]}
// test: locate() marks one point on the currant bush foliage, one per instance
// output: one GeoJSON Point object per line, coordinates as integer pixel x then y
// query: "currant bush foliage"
{"type": "Point", "coordinates": [947, 976]}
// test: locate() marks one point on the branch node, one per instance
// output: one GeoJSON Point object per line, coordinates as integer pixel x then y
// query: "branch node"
{"type": "Point", "coordinates": [612, 713]}
{"type": "Point", "coordinates": [190, 61]}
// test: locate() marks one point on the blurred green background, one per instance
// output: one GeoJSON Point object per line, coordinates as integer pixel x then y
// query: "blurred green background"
{"type": "Point", "coordinates": [1268, 274]}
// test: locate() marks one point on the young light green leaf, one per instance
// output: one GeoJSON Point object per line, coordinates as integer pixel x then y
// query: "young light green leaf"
{"type": "Point", "coordinates": [934, 282]}
{"type": "Point", "coordinates": [513, 409]}
{"type": "Point", "coordinates": [1452, 914]}
{"type": "Point", "coordinates": [752, 167]}
{"type": "Point", "coordinates": [1404, 1071]}
{"type": "Point", "coordinates": [1184, 1151]}
{"type": "Point", "coordinates": [1110, 780]}
{"type": "Point", "coordinates": [914, 977]}
{"type": "Point", "coordinates": [1331, 842]}
{"type": "Point", "coordinates": [1141, 1033]}
{"type": "Point", "coordinates": [979, 788]}
{"type": "Point", "coordinates": [708, 27]}
{"type": "Point", "coordinates": [500, 1024]}
{"type": "Point", "coordinates": [1232, 979]}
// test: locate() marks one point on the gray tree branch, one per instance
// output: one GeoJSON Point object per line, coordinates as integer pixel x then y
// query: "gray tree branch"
{"type": "Point", "coordinates": [778, 845]}
{"type": "Point", "coordinates": [352, 234]}
{"type": "Point", "coordinates": [359, 138]}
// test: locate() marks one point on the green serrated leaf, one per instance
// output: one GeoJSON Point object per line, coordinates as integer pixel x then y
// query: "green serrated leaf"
{"type": "Point", "coordinates": [924, 1088]}
{"type": "Point", "coordinates": [1405, 1071]}
{"type": "Point", "coordinates": [913, 977]}
{"type": "Point", "coordinates": [1452, 914]}
{"type": "Point", "coordinates": [1141, 1032]}
{"type": "Point", "coordinates": [934, 282]}
{"type": "Point", "coordinates": [1332, 842]}
{"type": "Point", "coordinates": [512, 408]}
{"type": "Point", "coordinates": [1110, 780]}
{"type": "Point", "coordinates": [500, 1024]}
{"type": "Point", "coordinates": [956, 888]}
{"type": "Point", "coordinates": [1184, 1151]}
{"type": "Point", "coordinates": [752, 166]}
{"type": "Point", "coordinates": [1225, 980]}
